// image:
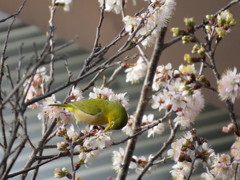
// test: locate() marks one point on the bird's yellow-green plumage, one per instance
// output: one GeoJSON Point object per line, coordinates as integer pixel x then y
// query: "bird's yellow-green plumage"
{"type": "Point", "coordinates": [98, 112]}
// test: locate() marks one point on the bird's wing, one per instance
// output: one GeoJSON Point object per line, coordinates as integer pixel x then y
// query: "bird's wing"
{"type": "Point", "coordinates": [87, 107]}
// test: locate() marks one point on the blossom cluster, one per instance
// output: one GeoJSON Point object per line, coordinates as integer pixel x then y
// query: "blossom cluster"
{"type": "Point", "coordinates": [89, 143]}
{"type": "Point", "coordinates": [178, 91]}
{"type": "Point", "coordinates": [149, 23]}
{"type": "Point", "coordinates": [229, 85]}
{"type": "Point", "coordinates": [225, 166]}
{"type": "Point", "coordinates": [60, 173]}
{"type": "Point", "coordinates": [188, 152]}
{"type": "Point", "coordinates": [221, 25]}
{"type": "Point", "coordinates": [137, 163]}
{"type": "Point", "coordinates": [51, 113]}
{"type": "Point", "coordinates": [34, 86]}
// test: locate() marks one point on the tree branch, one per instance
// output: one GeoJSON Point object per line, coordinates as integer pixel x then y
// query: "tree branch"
{"type": "Point", "coordinates": [146, 90]}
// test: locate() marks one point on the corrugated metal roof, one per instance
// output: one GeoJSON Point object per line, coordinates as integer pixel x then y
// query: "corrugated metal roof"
{"type": "Point", "coordinates": [209, 123]}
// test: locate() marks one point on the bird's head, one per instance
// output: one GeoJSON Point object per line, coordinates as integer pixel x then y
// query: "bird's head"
{"type": "Point", "coordinates": [117, 117]}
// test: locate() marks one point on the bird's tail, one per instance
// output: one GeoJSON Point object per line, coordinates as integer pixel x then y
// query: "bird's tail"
{"type": "Point", "coordinates": [59, 105]}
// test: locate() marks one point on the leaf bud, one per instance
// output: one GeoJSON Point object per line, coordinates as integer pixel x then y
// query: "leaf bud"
{"type": "Point", "coordinates": [62, 146]}
{"type": "Point", "coordinates": [176, 31]}
{"type": "Point", "coordinates": [189, 22]}
{"type": "Point", "coordinates": [210, 18]}
{"type": "Point", "coordinates": [186, 39]}
{"type": "Point", "coordinates": [188, 58]}
{"type": "Point", "coordinates": [62, 131]}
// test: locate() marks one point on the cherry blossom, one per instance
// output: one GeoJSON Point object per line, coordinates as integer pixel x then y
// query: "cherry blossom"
{"type": "Point", "coordinates": [223, 168]}
{"type": "Point", "coordinates": [228, 85]}
{"type": "Point", "coordinates": [147, 120]}
{"type": "Point", "coordinates": [207, 176]}
{"type": "Point", "coordinates": [34, 86]}
{"type": "Point", "coordinates": [112, 5]}
{"type": "Point", "coordinates": [137, 71]}
{"type": "Point", "coordinates": [99, 140]}
{"type": "Point", "coordinates": [235, 150]}
{"type": "Point", "coordinates": [76, 94]}
{"type": "Point", "coordinates": [72, 134]}
{"type": "Point", "coordinates": [139, 163]}
{"type": "Point", "coordinates": [108, 94]}
{"type": "Point", "coordinates": [162, 75]}
{"type": "Point", "coordinates": [87, 158]}
{"type": "Point", "coordinates": [181, 170]}
{"type": "Point", "coordinates": [117, 159]}
{"type": "Point", "coordinates": [187, 150]}
{"type": "Point", "coordinates": [173, 93]}
{"type": "Point", "coordinates": [158, 14]}
{"type": "Point", "coordinates": [64, 3]}
{"type": "Point", "coordinates": [102, 93]}
{"type": "Point", "coordinates": [128, 129]}
{"type": "Point", "coordinates": [53, 112]}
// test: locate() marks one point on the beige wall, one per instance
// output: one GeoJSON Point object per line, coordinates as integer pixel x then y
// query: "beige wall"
{"type": "Point", "coordinates": [83, 18]}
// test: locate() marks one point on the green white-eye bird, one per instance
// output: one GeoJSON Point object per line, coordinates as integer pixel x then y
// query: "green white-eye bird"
{"type": "Point", "coordinates": [98, 112]}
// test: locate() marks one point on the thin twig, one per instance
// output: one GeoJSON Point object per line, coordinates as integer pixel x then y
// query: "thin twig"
{"type": "Point", "coordinates": [175, 40]}
{"type": "Point", "coordinates": [19, 149]}
{"type": "Point", "coordinates": [41, 143]}
{"type": "Point", "coordinates": [72, 161]}
{"type": "Point", "coordinates": [236, 171]}
{"type": "Point", "coordinates": [78, 79]}
{"type": "Point", "coordinates": [192, 164]}
{"type": "Point", "coordinates": [3, 58]}
{"type": "Point", "coordinates": [144, 129]}
{"type": "Point", "coordinates": [112, 77]}
{"type": "Point", "coordinates": [19, 67]}
{"type": "Point", "coordinates": [160, 152]}
{"type": "Point", "coordinates": [51, 43]}
{"type": "Point", "coordinates": [96, 46]}
{"type": "Point", "coordinates": [92, 82]}
{"type": "Point", "coordinates": [33, 167]}
{"type": "Point", "coordinates": [16, 13]}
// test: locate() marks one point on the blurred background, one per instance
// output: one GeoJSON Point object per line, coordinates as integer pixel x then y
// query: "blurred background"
{"type": "Point", "coordinates": [82, 20]}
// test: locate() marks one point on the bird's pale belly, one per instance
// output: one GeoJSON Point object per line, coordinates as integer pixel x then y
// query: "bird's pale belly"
{"type": "Point", "coordinates": [82, 117]}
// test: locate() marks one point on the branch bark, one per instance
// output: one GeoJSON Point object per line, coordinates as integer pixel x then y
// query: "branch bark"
{"type": "Point", "coordinates": [144, 98]}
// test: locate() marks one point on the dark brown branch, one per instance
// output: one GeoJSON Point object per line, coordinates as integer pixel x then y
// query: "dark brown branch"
{"type": "Point", "coordinates": [33, 167]}
{"type": "Point", "coordinates": [14, 159]}
{"type": "Point", "coordinates": [146, 90]}
{"type": "Point", "coordinates": [41, 143]}
{"type": "Point", "coordinates": [51, 44]}
{"type": "Point", "coordinates": [2, 62]}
